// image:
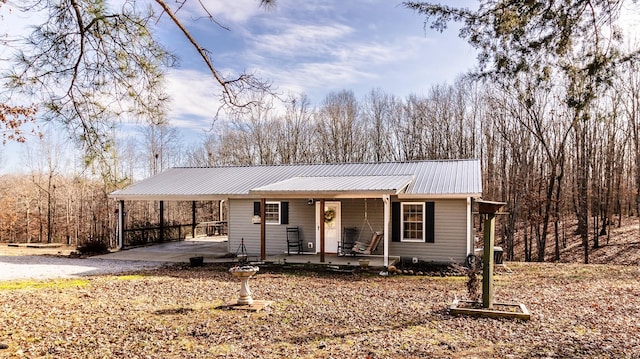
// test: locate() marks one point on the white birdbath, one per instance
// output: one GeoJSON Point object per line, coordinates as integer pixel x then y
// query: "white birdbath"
{"type": "Point", "coordinates": [244, 273]}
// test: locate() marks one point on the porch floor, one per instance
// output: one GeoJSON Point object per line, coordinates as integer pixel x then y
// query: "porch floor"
{"type": "Point", "coordinates": [215, 250]}
{"type": "Point", "coordinates": [330, 259]}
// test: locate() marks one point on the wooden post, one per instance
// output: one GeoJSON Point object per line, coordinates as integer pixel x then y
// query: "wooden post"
{"type": "Point", "coordinates": [161, 221]}
{"type": "Point", "coordinates": [487, 260]}
{"type": "Point", "coordinates": [387, 218]}
{"type": "Point", "coordinates": [121, 225]}
{"type": "Point", "coordinates": [321, 219]}
{"type": "Point", "coordinates": [489, 209]}
{"type": "Point", "coordinates": [193, 220]}
{"type": "Point", "coordinates": [263, 228]}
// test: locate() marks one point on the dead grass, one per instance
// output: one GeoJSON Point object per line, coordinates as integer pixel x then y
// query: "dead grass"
{"type": "Point", "coordinates": [58, 250]}
{"type": "Point", "coordinates": [577, 311]}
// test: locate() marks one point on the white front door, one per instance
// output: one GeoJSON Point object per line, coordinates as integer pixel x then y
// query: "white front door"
{"type": "Point", "coordinates": [332, 227]}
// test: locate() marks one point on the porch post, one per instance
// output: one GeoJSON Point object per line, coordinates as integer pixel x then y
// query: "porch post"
{"type": "Point", "coordinates": [321, 219]}
{"type": "Point", "coordinates": [120, 224]}
{"type": "Point", "coordinates": [193, 219]}
{"type": "Point", "coordinates": [161, 221]}
{"type": "Point", "coordinates": [263, 242]}
{"type": "Point", "coordinates": [387, 217]}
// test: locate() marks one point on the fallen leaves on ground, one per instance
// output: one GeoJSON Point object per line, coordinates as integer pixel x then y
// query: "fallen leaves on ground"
{"type": "Point", "coordinates": [577, 311]}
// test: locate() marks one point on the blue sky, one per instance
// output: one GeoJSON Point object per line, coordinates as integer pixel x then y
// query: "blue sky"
{"type": "Point", "coordinates": [311, 47]}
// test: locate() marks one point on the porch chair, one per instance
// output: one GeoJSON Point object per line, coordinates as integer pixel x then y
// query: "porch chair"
{"type": "Point", "coordinates": [349, 236]}
{"type": "Point", "coordinates": [293, 240]}
{"type": "Point", "coordinates": [367, 248]}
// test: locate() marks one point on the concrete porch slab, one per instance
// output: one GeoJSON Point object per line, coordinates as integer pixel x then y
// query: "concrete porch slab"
{"type": "Point", "coordinates": [216, 250]}
{"type": "Point", "coordinates": [212, 249]}
{"type": "Point", "coordinates": [376, 261]}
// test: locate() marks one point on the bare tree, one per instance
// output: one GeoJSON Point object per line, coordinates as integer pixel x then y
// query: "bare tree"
{"type": "Point", "coordinates": [377, 114]}
{"type": "Point", "coordinates": [341, 136]}
{"type": "Point", "coordinates": [160, 147]}
{"type": "Point", "coordinates": [577, 41]}
{"type": "Point", "coordinates": [293, 132]}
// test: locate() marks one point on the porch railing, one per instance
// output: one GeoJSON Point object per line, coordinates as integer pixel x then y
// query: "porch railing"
{"type": "Point", "coordinates": [147, 235]}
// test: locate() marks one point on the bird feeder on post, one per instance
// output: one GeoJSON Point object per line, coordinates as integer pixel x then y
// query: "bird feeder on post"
{"type": "Point", "coordinates": [489, 209]}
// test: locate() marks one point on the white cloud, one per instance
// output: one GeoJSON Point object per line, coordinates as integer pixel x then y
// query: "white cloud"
{"type": "Point", "coordinates": [301, 40]}
{"type": "Point", "coordinates": [194, 98]}
{"type": "Point", "coordinates": [314, 59]}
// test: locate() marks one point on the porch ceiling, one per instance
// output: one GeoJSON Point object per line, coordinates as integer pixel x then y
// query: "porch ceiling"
{"type": "Point", "coordinates": [335, 185]}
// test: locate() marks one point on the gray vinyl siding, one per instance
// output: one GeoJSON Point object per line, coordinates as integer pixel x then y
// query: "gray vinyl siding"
{"type": "Point", "coordinates": [301, 214]}
{"type": "Point", "coordinates": [240, 227]}
{"type": "Point", "coordinates": [451, 235]}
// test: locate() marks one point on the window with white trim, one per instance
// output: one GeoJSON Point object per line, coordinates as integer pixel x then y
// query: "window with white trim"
{"type": "Point", "coordinates": [412, 221]}
{"type": "Point", "coordinates": [272, 213]}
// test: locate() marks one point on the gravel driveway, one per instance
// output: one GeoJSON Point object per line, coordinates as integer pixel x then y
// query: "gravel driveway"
{"type": "Point", "coordinates": [46, 267]}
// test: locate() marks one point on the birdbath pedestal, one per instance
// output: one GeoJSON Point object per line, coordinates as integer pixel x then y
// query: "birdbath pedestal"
{"type": "Point", "coordinates": [244, 273]}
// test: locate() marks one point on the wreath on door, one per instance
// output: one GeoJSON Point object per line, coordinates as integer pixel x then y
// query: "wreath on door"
{"type": "Point", "coordinates": [329, 215]}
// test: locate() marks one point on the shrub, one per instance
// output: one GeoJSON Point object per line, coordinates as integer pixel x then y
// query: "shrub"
{"type": "Point", "coordinates": [93, 247]}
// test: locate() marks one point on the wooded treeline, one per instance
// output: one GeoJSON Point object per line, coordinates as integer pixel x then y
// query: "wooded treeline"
{"type": "Point", "coordinates": [525, 135]}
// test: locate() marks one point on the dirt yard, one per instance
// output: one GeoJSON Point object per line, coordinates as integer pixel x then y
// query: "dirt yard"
{"type": "Point", "coordinates": [577, 311]}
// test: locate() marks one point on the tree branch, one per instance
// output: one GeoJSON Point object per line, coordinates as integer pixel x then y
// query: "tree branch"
{"type": "Point", "coordinates": [231, 89]}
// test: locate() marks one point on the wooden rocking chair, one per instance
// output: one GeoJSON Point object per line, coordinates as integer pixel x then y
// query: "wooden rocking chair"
{"type": "Point", "coordinates": [367, 248]}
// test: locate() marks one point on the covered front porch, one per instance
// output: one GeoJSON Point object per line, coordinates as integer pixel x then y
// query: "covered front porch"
{"type": "Point", "coordinates": [327, 204]}
{"type": "Point", "coordinates": [216, 250]}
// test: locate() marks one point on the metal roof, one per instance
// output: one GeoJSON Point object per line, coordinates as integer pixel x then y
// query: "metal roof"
{"type": "Point", "coordinates": [428, 178]}
{"type": "Point", "coordinates": [337, 184]}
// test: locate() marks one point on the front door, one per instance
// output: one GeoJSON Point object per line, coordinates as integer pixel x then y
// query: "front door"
{"type": "Point", "coordinates": [332, 232]}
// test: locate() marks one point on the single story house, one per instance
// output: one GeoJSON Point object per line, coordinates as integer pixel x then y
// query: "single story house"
{"type": "Point", "coordinates": [419, 209]}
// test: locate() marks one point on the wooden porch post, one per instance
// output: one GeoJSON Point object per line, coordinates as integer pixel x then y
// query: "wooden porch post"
{"type": "Point", "coordinates": [120, 224]}
{"type": "Point", "coordinates": [161, 221]}
{"type": "Point", "coordinates": [387, 217]}
{"type": "Point", "coordinates": [321, 219]}
{"type": "Point", "coordinates": [193, 219]}
{"type": "Point", "coordinates": [263, 242]}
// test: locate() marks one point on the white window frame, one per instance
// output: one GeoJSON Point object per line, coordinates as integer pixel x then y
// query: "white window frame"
{"type": "Point", "coordinates": [279, 213]}
{"type": "Point", "coordinates": [402, 222]}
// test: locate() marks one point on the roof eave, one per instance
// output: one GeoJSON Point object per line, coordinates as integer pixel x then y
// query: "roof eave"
{"type": "Point", "coordinates": [438, 195]}
{"type": "Point", "coordinates": [160, 197]}
{"type": "Point", "coordinates": [321, 194]}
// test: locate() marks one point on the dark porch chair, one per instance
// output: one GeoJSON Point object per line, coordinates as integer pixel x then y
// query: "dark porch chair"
{"type": "Point", "coordinates": [294, 240]}
{"type": "Point", "coordinates": [349, 236]}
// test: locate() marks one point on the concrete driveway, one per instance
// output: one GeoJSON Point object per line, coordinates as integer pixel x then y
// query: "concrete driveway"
{"type": "Point", "coordinates": [212, 249]}
{"type": "Point", "coordinates": [48, 261]}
